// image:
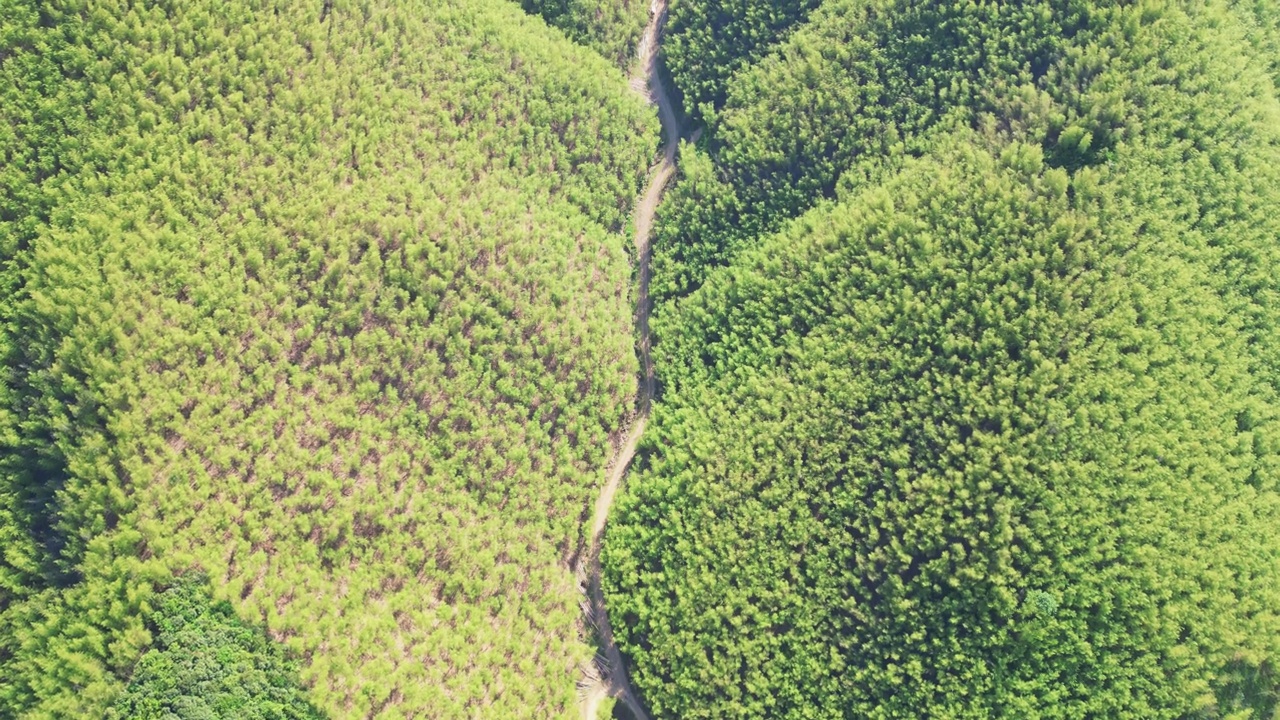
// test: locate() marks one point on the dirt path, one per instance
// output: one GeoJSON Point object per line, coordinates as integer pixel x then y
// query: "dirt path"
{"type": "Point", "coordinates": [609, 676]}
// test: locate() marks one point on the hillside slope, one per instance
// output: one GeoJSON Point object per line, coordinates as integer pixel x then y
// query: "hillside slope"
{"type": "Point", "coordinates": [967, 356]}
{"type": "Point", "coordinates": [330, 302]}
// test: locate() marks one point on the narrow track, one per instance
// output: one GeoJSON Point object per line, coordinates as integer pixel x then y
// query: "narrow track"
{"type": "Point", "coordinates": [608, 677]}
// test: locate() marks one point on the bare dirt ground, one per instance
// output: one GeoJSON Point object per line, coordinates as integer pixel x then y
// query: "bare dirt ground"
{"type": "Point", "coordinates": [608, 676]}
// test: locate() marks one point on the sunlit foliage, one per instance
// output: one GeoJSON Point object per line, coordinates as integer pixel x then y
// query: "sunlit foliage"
{"type": "Point", "coordinates": [329, 301]}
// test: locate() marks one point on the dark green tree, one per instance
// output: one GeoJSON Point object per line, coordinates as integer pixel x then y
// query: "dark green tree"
{"type": "Point", "coordinates": [982, 441]}
{"type": "Point", "coordinates": [207, 664]}
{"type": "Point", "coordinates": [968, 353]}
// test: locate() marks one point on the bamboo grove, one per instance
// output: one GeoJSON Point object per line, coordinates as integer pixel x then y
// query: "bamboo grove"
{"type": "Point", "coordinates": [612, 28]}
{"type": "Point", "coordinates": [316, 324]}
{"type": "Point", "coordinates": [328, 303]}
{"type": "Point", "coordinates": [968, 344]}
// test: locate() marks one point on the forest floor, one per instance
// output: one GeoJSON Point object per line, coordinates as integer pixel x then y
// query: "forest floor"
{"type": "Point", "coordinates": [608, 677]}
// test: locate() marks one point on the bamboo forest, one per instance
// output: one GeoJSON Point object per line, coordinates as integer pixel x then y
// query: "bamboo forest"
{"type": "Point", "coordinates": [670, 359]}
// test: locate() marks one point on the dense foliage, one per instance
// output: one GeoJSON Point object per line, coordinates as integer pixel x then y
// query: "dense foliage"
{"type": "Point", "coordinates": [330, 301]}
{"type": "Point", "coordinates": [1261, 20]}
{"type": "Point", "coordinates": [854, 90]}
{"type": "Point", "coordinates": [206, 663]}
{"type": "Point", "coordinates": [707, 41]}
{"type": "Point", "coordinates": [969, 351]}
{"type": "Point", "coordinates": [866, 83]}
{"type": "Point", "coordinates": [315, 327]}
{"type": "Point", "coordinates": [612, 28]}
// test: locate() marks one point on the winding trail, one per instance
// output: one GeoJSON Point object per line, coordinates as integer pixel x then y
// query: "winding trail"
{"type": "Point", "coordinates": [608, 676]}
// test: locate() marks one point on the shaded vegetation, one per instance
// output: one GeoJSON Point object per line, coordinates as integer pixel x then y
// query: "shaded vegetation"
{"type": "Point", "coordinates": [206, 663]}
{"type": "Point", "coordinates": [968, 356]}
{"type": "Point", "coordinates": [858, 88]}
{"type": "Point", "coordinates": [611, 28]}
{"type": "Point", "coordinates": [708, 41]}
